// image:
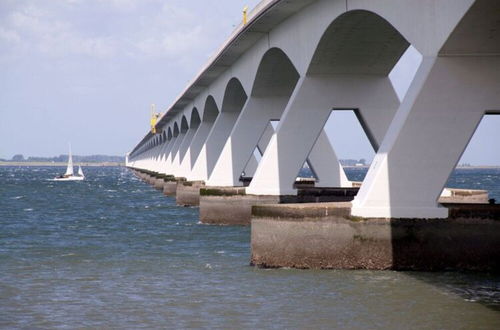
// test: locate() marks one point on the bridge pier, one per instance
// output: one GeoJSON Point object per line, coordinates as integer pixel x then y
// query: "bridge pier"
{"type": "Point", "coordinates": [188, 193]}
{"type": "Point", "coordinates": [429, 133]}
{"type": "Point", "coordinates": [327, 235]}
{"type": "Point", "coordinates": [233, 206]}
{"type": "Point", "coordinates": [252, 129]}
{"type": "Point", "coordinates": [304, 118]}
{"type": "Point", "coordinates": [184, 150]}
{"type": "Point", "coordinates": [170, 185]}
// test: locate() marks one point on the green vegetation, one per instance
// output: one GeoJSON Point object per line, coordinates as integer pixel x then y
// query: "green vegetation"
{"type": "Point", "coordinates": [76, 158]}
{"type": "Point", "coordinates": [221, 192]}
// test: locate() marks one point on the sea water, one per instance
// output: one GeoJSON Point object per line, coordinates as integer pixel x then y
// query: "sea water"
{"type": "Point", "coordinates": [112, 252]}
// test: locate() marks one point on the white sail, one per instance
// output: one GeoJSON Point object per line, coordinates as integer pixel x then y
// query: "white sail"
{"type": "Point", "coordinates": [80, 172]}
{"type": "Point", "coordinates": [69, 169]}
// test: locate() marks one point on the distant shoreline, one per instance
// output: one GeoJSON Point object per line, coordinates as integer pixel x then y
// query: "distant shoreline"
{"type": "Point", "coordinates": [111, 164]}
{"type": "Point", "coordinates": [61, 164]}
{"type": "Point", "coordinates": [458, 167]}
{"type": "Point", "coordinates": [477, 167]}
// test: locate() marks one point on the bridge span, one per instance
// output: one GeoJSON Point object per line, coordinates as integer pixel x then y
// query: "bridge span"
{"type": "Point", "coordinates": [296, 61]}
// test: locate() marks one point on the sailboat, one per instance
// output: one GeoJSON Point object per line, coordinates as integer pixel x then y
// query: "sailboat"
{"type": "Point", "coordinates": [69, 175]}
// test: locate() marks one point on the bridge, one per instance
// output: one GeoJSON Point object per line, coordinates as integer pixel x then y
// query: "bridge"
{"type": "Point", "coordinates": [296, 61]}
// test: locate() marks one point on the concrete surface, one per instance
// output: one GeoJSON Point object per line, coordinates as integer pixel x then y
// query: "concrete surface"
{"type": "Point", "coordinates": [188, 193]}
{"type": "Point", "coordinates": [326, 236]}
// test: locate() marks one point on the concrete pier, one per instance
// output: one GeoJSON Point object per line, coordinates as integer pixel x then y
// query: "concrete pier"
{"type": "Point", "coordinates": [160, 180]}
{"type": "Point", "coordinates": [469, 196]}
{"type": "Point", "coordinates": [233, 206]}
{"type": "Point", "coordinates": [170, 186]}
{"type": "Point", "coordinates": [229, 206]}
{"type": "Point", "coordinates": [327, 236]}
{"type": "Point", "coordinates": [188, 193]}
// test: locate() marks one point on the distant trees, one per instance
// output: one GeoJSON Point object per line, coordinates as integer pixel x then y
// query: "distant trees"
{"type": "Point", "coordinates": [76, 158]}
{"type": "Point", "coordinates": [352, 162]}
{"type": "Point", "coordinates": [18, 158]}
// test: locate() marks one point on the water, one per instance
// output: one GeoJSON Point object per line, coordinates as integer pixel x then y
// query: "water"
{"type": "Point", "coordinates": [464, 178]}
{"type": "Point", "coordinates": [111, 252]}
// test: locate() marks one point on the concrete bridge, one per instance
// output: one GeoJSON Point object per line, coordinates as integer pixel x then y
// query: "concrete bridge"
{"type": "Point", "coordinates": [295, 62]}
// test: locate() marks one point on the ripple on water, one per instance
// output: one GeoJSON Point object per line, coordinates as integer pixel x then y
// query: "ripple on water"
{"type": "Point", "coordinates": [81, 258]}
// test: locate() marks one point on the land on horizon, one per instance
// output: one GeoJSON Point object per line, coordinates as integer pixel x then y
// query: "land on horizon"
{"type": "Point", "coordinates": [62, 160]}
{"type": "Point", "coordinates": [61, 164]}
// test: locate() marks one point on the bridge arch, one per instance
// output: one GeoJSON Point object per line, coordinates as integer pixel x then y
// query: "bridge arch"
{"type": "Point", "coordinates": [276, 75]}
{"type": "Point", "coordinates": [358, 42]}
{"type": "Point", "coordinates": [234, 96]}
{"type": "Point", "coordinates": [184, 125]}
{"type": "Point", "coordinates": [176, 129]}
{"type": "Point", "coordinates": [210, 110]}
{"type": "Point", "coordinates": [478, 32]}
{"type": "Point", "coordinates": [169, 134]}
{"type": "Point", "coordinates": [233, 102]}
{"type": "Point", "coordinates": [274, 82]}
{"type": "Point", "coordinates": [207, 118]}
{"type": "Point", "coordinates": [191, 121]}
{"type": "Point", "coordinates": [194, 119]}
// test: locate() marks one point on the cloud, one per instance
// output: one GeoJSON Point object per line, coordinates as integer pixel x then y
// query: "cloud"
{"type": "Point", "coordinates": [181, 32]}
{"type": "Point", "coordinates": [9, 36]}
{"type": "Point", "coordinates": [124, 4]}
{"type": "Point", "coordinates": [35, 29]}
{"type": "Point", "coordinates": [172, 32]}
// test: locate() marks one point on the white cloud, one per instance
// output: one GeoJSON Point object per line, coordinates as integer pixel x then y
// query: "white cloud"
{"type": "Point", "coordinates": [171, 44]}
{"type": "Point", "coordinates": [9, 36]}
{"type": "Point", "coordinates": [176, 32]}
{"type": "Point", "coordinates": [182, 32]}
{"type": "Point", "coordinates": [40, 30]}
{"type": "Point", "coordinates": [123, 5]}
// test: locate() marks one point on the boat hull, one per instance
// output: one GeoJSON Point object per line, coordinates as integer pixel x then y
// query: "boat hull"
{"type": "Point", "coordinates": [73, 178]}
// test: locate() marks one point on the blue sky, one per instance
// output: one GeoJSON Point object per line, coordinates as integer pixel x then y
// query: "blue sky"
{"type": "Point", "coordinates": [86, 71]}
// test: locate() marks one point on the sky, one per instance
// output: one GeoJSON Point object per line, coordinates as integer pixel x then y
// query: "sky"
{"type": "Point", "coordinates": [86, 72]}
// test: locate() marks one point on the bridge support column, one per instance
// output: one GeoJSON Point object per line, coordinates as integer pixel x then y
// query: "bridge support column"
{"type": "Point", "coordinates": [184, 153]}
{"type": "Point", "coordinates": [214, 144]}
{"type": "Point", "coordinates": [305, 115]}
{"type": "Point", "coordinates": [247, 131]}
{"type": "Point", "coordinates": [149, 160]}
{"type": "Point", "coordinates": [253, 129]}
{"type": "Point", "coordinates": [196, 151]}
{"type": "Point", "coordinates": [164, 168]}
{"type": "Point", "coordinates": [253, 163]}
{"type": "Point", "coordinates": [170, 156]}
{"type": "Point", "coordinates": [176, 154]}
{"type": "Point", "coordinates": [326, 165]}
{"type": "Point", "coordinates": [160, 158]}
{"type": "Point", "coordinates": [429, 133]}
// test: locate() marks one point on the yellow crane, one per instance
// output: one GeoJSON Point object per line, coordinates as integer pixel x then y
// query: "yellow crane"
{"type": "Point", "coordinates": [154, 118]}
{"type": "Point", "coordinates": [245, 17]}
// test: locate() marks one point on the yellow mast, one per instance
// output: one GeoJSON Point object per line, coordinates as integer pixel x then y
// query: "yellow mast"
{"type": "Point", "coordinates": [154, 117]}
{"type": "Point", "coordinates": [245, 10]}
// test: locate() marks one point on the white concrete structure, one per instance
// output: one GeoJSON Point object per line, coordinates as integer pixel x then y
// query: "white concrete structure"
{"type": "Point", "coordinates": [297, 60]}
